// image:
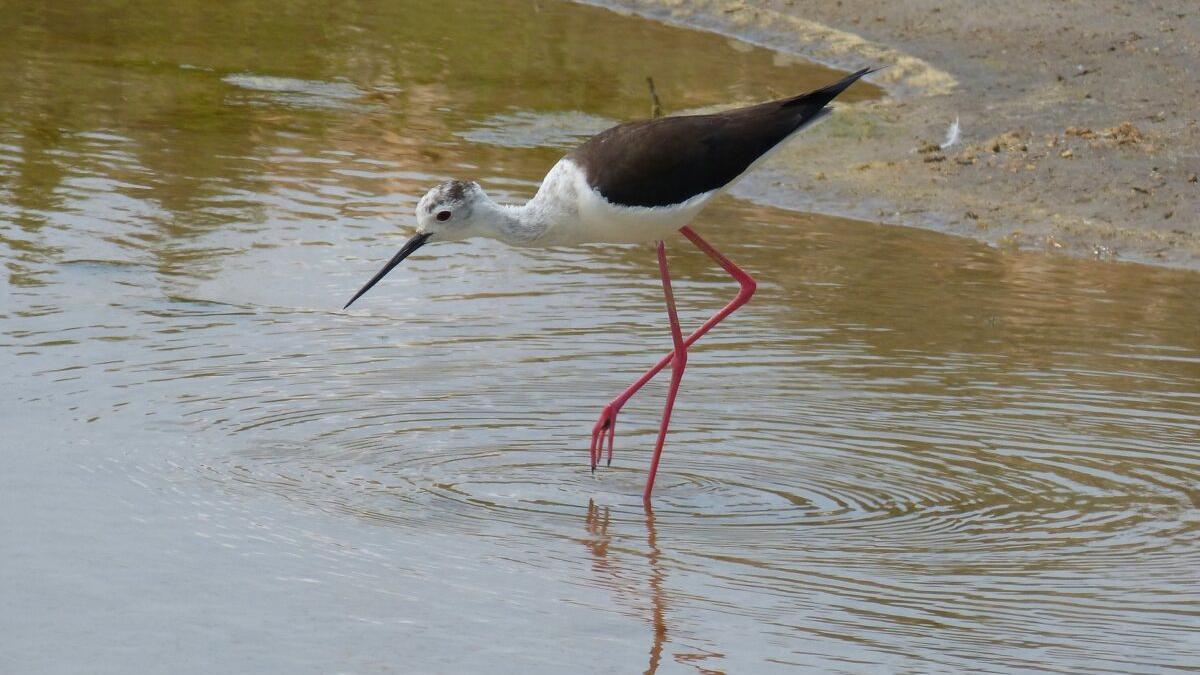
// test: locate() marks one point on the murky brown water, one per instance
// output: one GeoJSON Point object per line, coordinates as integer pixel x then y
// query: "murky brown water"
{"type": "Point", "coordinates": [910, 453]}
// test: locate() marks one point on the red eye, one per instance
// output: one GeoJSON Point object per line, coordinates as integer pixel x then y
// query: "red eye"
{"type": "Point", "coordinates": [443, 216]}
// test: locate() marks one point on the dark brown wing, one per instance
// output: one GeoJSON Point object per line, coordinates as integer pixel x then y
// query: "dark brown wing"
{"type": "Point", "coordinates": [671, 159]}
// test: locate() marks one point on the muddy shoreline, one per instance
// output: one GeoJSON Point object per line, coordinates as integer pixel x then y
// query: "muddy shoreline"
{"type": "Point", "coordinates": [1079, 131]}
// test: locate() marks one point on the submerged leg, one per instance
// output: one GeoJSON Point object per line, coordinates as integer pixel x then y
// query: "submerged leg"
{"type": "Point", "coordinates": [606, 425]}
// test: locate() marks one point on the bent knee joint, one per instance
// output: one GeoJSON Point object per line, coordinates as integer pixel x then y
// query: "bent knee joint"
{"type": "Point", "coordinates": [749, 285]}
{"type": "Point", "coordinates": [679, 359]}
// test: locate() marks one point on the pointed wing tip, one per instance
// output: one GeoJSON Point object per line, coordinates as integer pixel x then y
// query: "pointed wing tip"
{"type": "Point", "coordinates": [856, 76]}
{"type": "Point", "coordinates": [819, 98]}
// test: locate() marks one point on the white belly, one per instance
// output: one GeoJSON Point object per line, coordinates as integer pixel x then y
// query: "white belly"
{"type": "Point", "coordinates": [604, 221]}
{"type": "Point", "coordinates": [577, 214]}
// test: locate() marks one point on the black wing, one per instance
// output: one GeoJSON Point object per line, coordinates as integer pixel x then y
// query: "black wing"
{"type": "Point", "coordinates": [668, 160]}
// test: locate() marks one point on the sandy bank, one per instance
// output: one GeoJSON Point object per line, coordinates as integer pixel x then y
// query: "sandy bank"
{"type": "Point", "coordinates": [1079, 120]}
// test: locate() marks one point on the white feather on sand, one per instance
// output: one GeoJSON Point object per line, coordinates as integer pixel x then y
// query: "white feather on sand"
{"type": "Point", "coordinates": [953, 135]}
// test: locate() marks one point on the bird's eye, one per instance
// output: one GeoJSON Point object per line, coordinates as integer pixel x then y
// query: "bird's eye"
{"type": "Point", "coordinates": [443, 216]}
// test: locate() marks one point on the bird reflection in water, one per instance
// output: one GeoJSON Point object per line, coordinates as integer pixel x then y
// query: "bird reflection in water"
{"type": "Point", "coordinates": [607, 567]}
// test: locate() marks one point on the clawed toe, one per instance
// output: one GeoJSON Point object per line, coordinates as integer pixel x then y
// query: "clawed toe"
{"type": "Point", "coordinates": [605, 426]}
{"type": "Point", "coordinates": [612, 434]}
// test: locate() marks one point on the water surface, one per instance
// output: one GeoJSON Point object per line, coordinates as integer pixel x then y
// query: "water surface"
{"type": "Point", "coordinates": [909, 453]}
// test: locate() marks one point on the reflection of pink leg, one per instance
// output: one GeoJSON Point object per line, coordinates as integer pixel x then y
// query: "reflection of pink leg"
{"type": "Point", "coordinates": [608, 416]}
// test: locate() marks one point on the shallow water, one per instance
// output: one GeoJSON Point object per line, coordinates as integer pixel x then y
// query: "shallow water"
{"type": "Point", "coordinates": [909, 453]}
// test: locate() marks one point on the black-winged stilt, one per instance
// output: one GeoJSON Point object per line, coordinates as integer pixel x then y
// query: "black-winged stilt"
{"type": "Point", "coordinates": [636, 182]}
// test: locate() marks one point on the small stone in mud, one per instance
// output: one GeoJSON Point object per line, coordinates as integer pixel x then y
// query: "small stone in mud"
{"type": "Point", "coordinates": [1012, 240]}
{"type": "Point", "coordinates": [1011, 141]}
{"type": "Point", "coordinates": [1194, 178]}
{"type": "Point", "coordinates": [1066, 154]}
{"type": "Point", "coordinates": [1124, 134]}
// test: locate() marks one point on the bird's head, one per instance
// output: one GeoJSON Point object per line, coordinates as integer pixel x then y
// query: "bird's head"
{"type": "Point", "coordinates": [451, 211]}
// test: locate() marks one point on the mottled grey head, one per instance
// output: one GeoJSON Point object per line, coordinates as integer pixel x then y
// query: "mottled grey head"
{"type": "Point", "coordinates": [447, 210]}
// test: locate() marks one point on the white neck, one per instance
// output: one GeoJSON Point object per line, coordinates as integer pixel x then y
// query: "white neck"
{"type": "Point", "coordinates": [554, 210]}
{"type": "Point", "coordinates": [515, 225]}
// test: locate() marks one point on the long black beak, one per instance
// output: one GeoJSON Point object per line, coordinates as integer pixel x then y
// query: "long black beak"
{"type": "Point", "coordinates": [411, 245]}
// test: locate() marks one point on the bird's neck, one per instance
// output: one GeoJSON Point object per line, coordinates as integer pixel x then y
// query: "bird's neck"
{"type": "Point", "coordinates": [514, 225]}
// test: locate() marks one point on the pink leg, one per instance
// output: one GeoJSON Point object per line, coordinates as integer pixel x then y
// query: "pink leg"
{"type": "Point", "coordinates": [608, 416]}
{"type": "Point", "coordinates": [678, 363]}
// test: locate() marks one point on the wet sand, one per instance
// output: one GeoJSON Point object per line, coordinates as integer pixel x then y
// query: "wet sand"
{"type": "Point", "coordinates": [1079, 120]}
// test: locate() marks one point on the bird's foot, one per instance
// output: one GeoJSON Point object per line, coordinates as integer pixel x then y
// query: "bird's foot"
{"type": "Point", "coordinates": [605, 426]}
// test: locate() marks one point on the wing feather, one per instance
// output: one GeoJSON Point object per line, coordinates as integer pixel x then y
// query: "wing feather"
{"type": "Point", "coordinates": [668, 160]}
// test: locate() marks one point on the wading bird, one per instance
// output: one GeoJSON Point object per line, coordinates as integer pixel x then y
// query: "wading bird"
{"type": "Point", "coordinates": [636, 182]}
